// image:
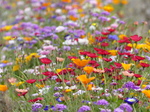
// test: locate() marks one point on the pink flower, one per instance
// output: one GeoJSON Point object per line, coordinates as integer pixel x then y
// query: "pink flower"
{"type": "Point", "coordinates": [44, 52]}
{"type": "Point", "coordinates": [126, 73]}
{"type": "Point", "coordinates": [50, 47]}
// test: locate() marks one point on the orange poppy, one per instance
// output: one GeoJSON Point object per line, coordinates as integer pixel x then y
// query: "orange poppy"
{"type": "Point", "coordinates": [80, 63]}
{"type": "Point", "coordinates": [73, 18]}
{"type": "Point", "coordinates": [46, 4]}
{"type": "Point", "coordinates": [67, 1]}
{"type": "Point", "coordinates": [84, 79]}
{"type": "Point", "coordinates": [88, 69]}
{"type": "Point", "coordinates": [3, 88]}
{"type": "Point", "coordinates": [147, 93]}
{"type": "Point", "coordinates": [90, 86]}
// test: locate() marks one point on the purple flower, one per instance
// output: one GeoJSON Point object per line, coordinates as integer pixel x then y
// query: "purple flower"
{"type": "Point", "coordinates": [105, 13]}
{"type": "Point", "coordinates": [57, 94]}
{"type": "Point", "coordinates": [36, 106]}
{"type": "Point", "coordinates": [118, 110]}
{"type": "Point", "coordinates": [105, 110]}
{"type": "Point", "coordinates": [147, 87]}
{"type": "Point", "coordinates": [66, 48]}
{"type": "Point", "coordinates": [84, 108]}
{"type": "Point", "coordinates": [114, 17]}
{"type": "Point", "coordinates": [59, 107]}
{"type": "Point", "coordinates": [148, 58]}
{"type": "Point", "coordinates": [121, 22]}
{"type": "Point", "coordinates": [95, 14]}
{"type": "Point", "coordinates": [103, 19]}
{"type": "Point", "coordinates": [130, 85]}
{"type": "Point", "coordinates": [2, 65]}
{"type": "Point", "coordinates": [113, 37]}
{"type": "Point", "coordinates": [102, 102]}
{"type": "Point", "coordinates": [126, 107]}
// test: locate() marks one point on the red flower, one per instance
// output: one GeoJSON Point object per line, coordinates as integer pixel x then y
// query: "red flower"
{"type": "Point", "coordinates": [45, 79]}
{"type": "Point", "coordinates": [137, 75]}
{"type": "Point", "coordinates": [137, 58]}
{"type": "Point", "coordinates": [103, 52]}
{"type": "Point", "coordinates": [119, 77]}
{"type": "Point", "coordinates": [119, 65]}
{"type": "Point", "coordinates": [45, 60]}
{"type": "Point", "coordinates": [107, 59]}
{"type": "Point", "coordinates": [92, 55]}
{"type": "Point", "coordinates": [124, 40]}
{"type": "Point", "coordinates": [106, 33]}
{"type": "Point", "coordinates": [111, 29]}
{"type": "Point", "coordinates": [104, 44]}
{"type": "Point", "coordinates": [72, 57]}
{"type": "Point", "coordinates": [127, 48]}
{"type": "Point", "coordinates": [36, 99]}
{"type": "Point", "coordinates": [100, 38]}
{"type": "Point", "coordinates": [84, 53]}
{"type": "Point", "coordinates": [58, 80]}
{"type": "Point", "coordinates": [31, 81]}
{"type": "Point", "coordinates": [22, 94]}
{"type": "Point", "coordinates": [94, 63]}
{"type": "Point", "coordinates": [136, 38]}
{"type": "Point", "coordinates": [48, 73]}
{"type": "Point", "coordinates": [138, 83]}
{"type": "Point", "coordinates": [144, 64]}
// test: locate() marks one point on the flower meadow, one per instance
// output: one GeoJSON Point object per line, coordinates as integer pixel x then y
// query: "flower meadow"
{"type": "Point", "coordinates": [72, 56]}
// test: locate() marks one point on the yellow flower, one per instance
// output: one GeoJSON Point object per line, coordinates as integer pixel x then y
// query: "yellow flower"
{"type": "Point", "coordinates": [17, 83]}
{"type": "Point", "coordinates": [108, 8]}
{"type": "Point", "coordinates": [132, 45]}
{"type": "Point", "coordinates": [91, 40]}
{"type": "Point", "coordinates": [40, 85]}
{"type": "Point", "coordinates": [80, 63]}
{"type": "Point", "coordinates": [19, 60]}
{"type": "Point", "coordinates": [83, 79]}
{"type": "Point", "coordinates": [59, 70]}
{"type": "Point", "coordinates": [68, 90]}
{"type": "Point", "coordinates": [142, 78]}
{"type": "Point", "coordinates": [88, 69]}
{"type": "Point", "coordinates": [147, 41]}
{"type": "Point", "coordinates": [143, 86]}
{"type": "Point", "coordinates": [126, 66]}
{"type": "Point", "coordinates": [7, 27]}
{"type": "Point", "coordinates": [7, 38]}
{"type": "Point", "coordinates": [3, 88]}
{"type": "Point", "coordinates": [34, 55]}
{"type": "Point", "coordinates": [16, 67]}
{"type": "Point", "coordinates": [94, 24]}
{"type": "Point", "coordinates": [113, 52]}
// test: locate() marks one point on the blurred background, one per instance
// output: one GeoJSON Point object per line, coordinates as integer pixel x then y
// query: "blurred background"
{"type": "Point", "coordinates": [138, 10]}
